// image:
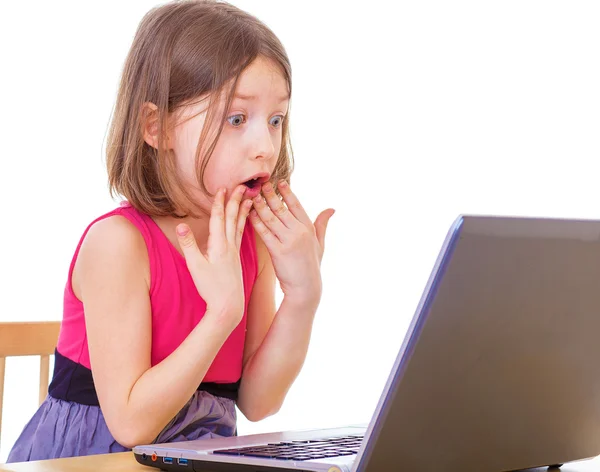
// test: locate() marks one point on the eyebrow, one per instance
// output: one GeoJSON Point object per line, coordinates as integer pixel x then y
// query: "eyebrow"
{"type": "Point", "coordinates": [240, 96]}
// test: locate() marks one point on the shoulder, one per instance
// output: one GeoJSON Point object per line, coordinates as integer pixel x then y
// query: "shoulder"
{"type": "Point", "coordinates": [112, 245]}
{"type": "Point", "coordinates": [114, 235]}
{"type": "Point", "coordinates": [262, 255]}
{"type": "Point", "coordinates": [253, 251]}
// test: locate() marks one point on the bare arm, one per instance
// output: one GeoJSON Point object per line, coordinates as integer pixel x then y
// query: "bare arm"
{"type": "Point", "coordinates": [276, 344]}
{"type": "Point", "coordinates": [290, 249]}
{"type": "Point", "coordinates": [111, 276]}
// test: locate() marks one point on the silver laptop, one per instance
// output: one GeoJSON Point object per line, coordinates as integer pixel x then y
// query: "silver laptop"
{"type": "Point", "coordinates": [499, 369]}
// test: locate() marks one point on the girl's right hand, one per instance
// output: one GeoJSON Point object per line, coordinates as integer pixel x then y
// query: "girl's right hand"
{"type": "Point", "coordinates": [218, 273]}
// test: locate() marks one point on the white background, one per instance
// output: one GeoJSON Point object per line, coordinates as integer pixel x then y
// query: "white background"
{"type": "Point", "coordinates": [403, 116]}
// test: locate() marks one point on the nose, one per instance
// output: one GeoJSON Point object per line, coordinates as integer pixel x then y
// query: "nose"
{"type": "Point", "coordinates": [262, 143]}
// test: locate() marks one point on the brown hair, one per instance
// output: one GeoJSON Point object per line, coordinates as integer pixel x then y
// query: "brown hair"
{"type": "Point", "coordinates": [182, 51]}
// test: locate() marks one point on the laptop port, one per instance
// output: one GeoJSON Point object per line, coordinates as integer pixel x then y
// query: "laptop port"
{"type": "Point", "coordinates": [183, 462]}
{"type": "Point", "coordinates": [168, 460]}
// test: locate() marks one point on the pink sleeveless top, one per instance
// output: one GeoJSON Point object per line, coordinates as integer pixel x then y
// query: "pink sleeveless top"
{"type": "Point", "coordinates": [176, 307]}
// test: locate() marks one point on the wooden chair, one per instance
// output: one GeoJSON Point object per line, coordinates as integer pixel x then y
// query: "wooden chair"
{"type": "Point", "coordinates": [28, 339]}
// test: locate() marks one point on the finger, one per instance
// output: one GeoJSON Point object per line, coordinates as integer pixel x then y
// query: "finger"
{"type": "Point", "coordinates": [216, 225]}
{"type": "Point", "coordinates": [293, 203]}
{"type": "Point", "coordinates": [231, 213]}
{"type": "Point", "coordinates": [241, 223]}
{"type": "Point", "coordinates": [279, 209]}
{"type": "Point", "coordinates": [187, 243]}
{"type": "Point", "coordinates": [265, 234]}
{"type": "Point", "coordinates": [273, 223]}
{"type": "Point", "coordinates": [321, 225]}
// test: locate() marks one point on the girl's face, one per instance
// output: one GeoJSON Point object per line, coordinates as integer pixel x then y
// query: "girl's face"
{"type": "Point", "coordinates": [249, 144]}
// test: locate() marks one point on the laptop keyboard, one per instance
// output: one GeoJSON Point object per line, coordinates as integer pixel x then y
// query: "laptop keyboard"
{"type": "Point", "coordinates": [301, 450]}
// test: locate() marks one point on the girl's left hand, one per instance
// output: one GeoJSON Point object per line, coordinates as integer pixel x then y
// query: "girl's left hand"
{"type": "Point", "coordinates": [295, 244]}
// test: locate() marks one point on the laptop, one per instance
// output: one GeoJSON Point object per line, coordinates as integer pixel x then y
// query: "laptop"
{"type": "Point", "coordinates": [499, 369]}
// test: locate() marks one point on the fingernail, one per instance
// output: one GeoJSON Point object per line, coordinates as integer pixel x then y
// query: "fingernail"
{"type": "Point", "coordinates": [182, 230]}
{"type": "Point", "coordinates": [282, 183]}
{"type": "Point", "coordinates": [258, 199]}
{"type": "Point", "coordinates": [268, 187]}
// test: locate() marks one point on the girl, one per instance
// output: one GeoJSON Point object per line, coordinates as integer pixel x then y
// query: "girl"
{"type": "Point", "coordinates": [169, 308]}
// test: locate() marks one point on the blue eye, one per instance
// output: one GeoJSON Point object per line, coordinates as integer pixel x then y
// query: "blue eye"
{"type": "Point", "coordinates": [276, 120]}
{"type": "Point", "coordinates": [236, 120]}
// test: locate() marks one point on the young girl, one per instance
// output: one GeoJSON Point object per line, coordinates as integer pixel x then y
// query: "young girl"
{"type": "Point", "coordinates": [169, 307]}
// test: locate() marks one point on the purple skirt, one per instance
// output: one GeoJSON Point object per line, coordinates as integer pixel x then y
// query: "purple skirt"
{"type": "Point", "coordinates": [67, 429]}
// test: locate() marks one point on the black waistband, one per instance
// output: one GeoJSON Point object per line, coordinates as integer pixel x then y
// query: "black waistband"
{"type": "Point", "coordinates": [73, 382]}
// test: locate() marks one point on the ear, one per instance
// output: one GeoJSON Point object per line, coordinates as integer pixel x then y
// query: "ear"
{"type": "Point", "coordinates": [150, 125]}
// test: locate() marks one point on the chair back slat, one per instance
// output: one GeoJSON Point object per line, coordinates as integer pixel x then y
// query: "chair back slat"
{"type": "Point", "coordinates": [28, 339]}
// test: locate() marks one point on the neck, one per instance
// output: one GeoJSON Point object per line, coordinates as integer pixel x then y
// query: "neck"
{"type": "Point", "coordinates": [198, 226]}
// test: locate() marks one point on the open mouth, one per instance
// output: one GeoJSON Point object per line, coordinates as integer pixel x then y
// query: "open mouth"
{"type": "Point", "coordinates": [257, 181]}
{"type": "Point", "coordinates": [252, 183]}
